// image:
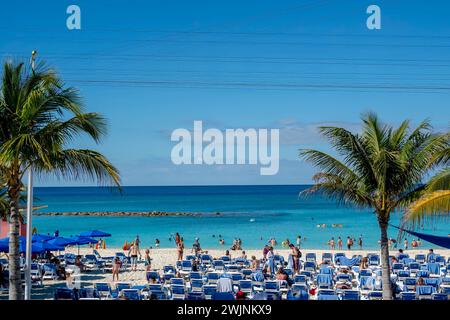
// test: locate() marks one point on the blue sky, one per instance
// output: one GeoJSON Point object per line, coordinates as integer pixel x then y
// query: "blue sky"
{"type": "Point", "coordinates": [153, 66]}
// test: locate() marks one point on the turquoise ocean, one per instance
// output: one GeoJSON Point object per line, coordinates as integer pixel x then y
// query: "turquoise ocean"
{"type": "Point", "coordinates": [252, 213]}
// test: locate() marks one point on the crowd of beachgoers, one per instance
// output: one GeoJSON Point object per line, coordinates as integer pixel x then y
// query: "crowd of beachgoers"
{"type": "Point", "coordinates": [275, 271]}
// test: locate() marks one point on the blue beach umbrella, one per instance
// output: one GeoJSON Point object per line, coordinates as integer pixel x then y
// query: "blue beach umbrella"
{"type": "Point", "coordinates": [41, 237]}
{"type": "Point", "coordinates": [61, 242]}
{"type": "Point", "coordinates": [78, 240]}
{"type": "Point", "coordinates": [36, 247]}
{"type": "Point", "coordinates": [95, 234]}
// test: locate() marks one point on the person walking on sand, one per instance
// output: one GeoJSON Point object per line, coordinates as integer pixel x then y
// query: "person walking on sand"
{"type": "Point", "coordinates": [134, 252]}
{"type": "Point", "coordinates": [180, 248]}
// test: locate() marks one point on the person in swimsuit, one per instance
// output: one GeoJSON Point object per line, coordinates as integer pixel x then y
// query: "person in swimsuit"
{"type": "Point", "coordinates": [180, 249]}
{"type": "Point", "coordinates": [134, 252]}
{"type": "Point", "coordinates": [116, 268]}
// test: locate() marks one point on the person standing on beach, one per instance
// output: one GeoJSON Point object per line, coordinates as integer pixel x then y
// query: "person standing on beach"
{"type": "Point", "coordinates": [134, 252]}
{"type": "Point", "coordinates": [360, 242]}
{"type": "Point", "coordinates": [177, 238]}
{"type": "Point", "coordinates": [180, 248]}
{"type": "Point", "coordinates": [349, 243]}
{"type": "Point", "coordinates": [295, 258]}
{"type": "Point", "coordinates": [116, 268]}
{"type": "Point", "coordinates": [339, 243]}
{"type": "Point", "coordinates": [332, 244]}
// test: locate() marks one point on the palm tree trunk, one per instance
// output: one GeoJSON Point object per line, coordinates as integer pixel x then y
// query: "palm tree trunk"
{"type": "Point", "coordinates": [15, 282]}
{"type": "Point", "coordinates": [386, 272]}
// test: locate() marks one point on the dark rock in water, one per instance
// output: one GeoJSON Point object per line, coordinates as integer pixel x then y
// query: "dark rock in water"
{"type": "Point", "coordinates": [218, 213]}
{"type": "Point", "coordinates": [119, 213]}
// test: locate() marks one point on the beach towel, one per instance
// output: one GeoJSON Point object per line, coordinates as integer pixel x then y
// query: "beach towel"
{"type": "Point", "coordinates": [344, 261]}
{"type": "Point", "coordinates": [224, 284]}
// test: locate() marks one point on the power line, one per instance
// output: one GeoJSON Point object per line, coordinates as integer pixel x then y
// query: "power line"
{"type": "Point", "coordinates": [263, 85]}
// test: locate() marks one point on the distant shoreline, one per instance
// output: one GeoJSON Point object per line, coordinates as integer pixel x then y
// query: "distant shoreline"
{"type": "Point", "coordinates": [124, 213]}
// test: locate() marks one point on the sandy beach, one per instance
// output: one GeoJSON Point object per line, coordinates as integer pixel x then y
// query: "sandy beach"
{"type": "Point", "coordinates": [166, 256]}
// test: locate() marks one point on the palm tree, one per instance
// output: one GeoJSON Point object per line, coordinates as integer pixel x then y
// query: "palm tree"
{"type": "Point", "coordinates": [434, 204]}
{"type": "Point", "coordinates": [380, 168]}
{"type": "Point", "coordinates": [39, 118]}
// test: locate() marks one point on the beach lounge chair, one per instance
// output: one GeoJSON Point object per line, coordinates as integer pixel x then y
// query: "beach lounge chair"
{"type": "Point", "coordinates": [413, 267]}
{"type": "Point", "coordinates": [102, 258]}
{"type": "Point", "coordinates": [218, 265]}
{"type": "Point", "coordinates": [420, 258]}
{"type": "Point", "coordinates": [92, 263]}
{"type": "Point", "coordinates": [445, 290]}
{"type": "Point", "coordinates": [152, 275]}
{"type": "Point", "coordinates": [310, 266]}
{"type": "Point", "coordinates": [195, 295]}
{"type": "Point", "coordinates": [212, 277]}
{"type": "Point", "coordinates": [409, 284]}
{"type": "Point", "coordinates": [36, 274]}
{"type": "Point", "coordinates": [300, 279]}
{"type": "Point", "coordinates": [424, 292]}
{"type": "Point", "coordinates": [177, 281]}
{"type": "Point", "coordinates": [296, 288]}
{"type": "Point", "coordinates": [365, 273]}
{"type": "Point", "coordinates": [247, 273]}
{"type": "Point", "coordinates": [407, 296]}
{"type": "Point", "coordinates": [324, 281]}
{"type": "Point", "coordinates": [366, 283]}
{"type": "Point", "coordinates": [178, 292]}
{"type": "Point", "coordinates": [88, 294]}
{"type": "Point", "coordinates": [246, 286]}
{"type": "Point", "coordinates": [307, 274]}
{"type": "Point", "coordinates": [104, 289]}
{"type": "Point", "coordinates": [168, 277]}
{"type": "Point", "coordinates": [327, 295]}
{"type": "Point", "coordinates": [236, 277]}
{"type": "Point", "coordinates": [441, 260]}
{"type": "Point", "coordinates": [130, 294]}
{"type": "Point", "coordinates": [396, 267]}
{"type": "Point", "coordinates": [434, 282]}
{"type": "Point", "coordinates": [327, 257]}
{"type": "Point", "coordinates": [310, 257]}
{"type": "Point", "coordinates": [49, 272]}
{"type": "Point", "coordinates": [271, 286]}
{"type": "Point", "coordinates": [195, 275]}
{"type": "Point", "coordinates": [403, 274]}
{"type": "Point", "coordinates": [169, 269]}
{"type": "Point", "coordinates": [208, 291]}
{"type": "Point", "coordinates": [343, 277]}
{"type": "Point", "coordinates": [423, 274]}
{"type": "Point", "coordinates": [350, 295]}
{"type": "Point", "coordinates": [222, 296]}
{"type": "Point", "coordinates": [374, 259]}
{"type": "Point", "coordinates": [190, 257]}
{"type": "Point", "coordinates": [326, 270]}
{"type": "Point", "coordinates": [439, 296]}
{"type": "Point", "coordinates": [434, 268]}
{"type": "Point", "coordinates": [226, 259]}
{"type": "Point", "coordinates": [375, 295]}
{"type": "Point", "coordinates": [186, 265]}
{"type": "Point", "coordinates": [206, 259]}
{"type": "Point", "coordinates": [64, 294]}
{"type": "Point", "coordinates": [196, 285]}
